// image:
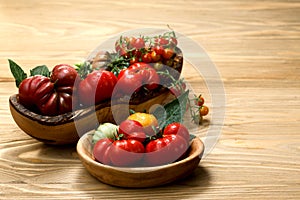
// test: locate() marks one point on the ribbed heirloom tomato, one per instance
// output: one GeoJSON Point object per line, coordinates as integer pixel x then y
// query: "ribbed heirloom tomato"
{"type": "Point", "coordinates": [50, 96]}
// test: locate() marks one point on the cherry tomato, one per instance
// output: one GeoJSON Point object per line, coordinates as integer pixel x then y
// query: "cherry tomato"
{"type": "Point", "coordinates": [133, 60]}
{"type": "Point", "coordinates": [165, 150]}
{"type": "Point", "coordinates": [101, 150]}
{"type": "Point", "coordinates": [161, 41]}
{"type": "Point", "coordinates": [96, 87]}
{"type": "Point", "coordinates": [200, 101]}
{"type": "Point", "coordinates": [147, 58]}
{"type": "Point", "coordinates": [138, 43]}
{"type": "Point", "coordinates": [204, 110]}
{"type": "Point", "coordinates": [177, 128]}
{"type": "Point", "coordinates": [155, 56]}
{"type": "Point", "coordinates": [125, 153]}
{"type": "Point", "coordinates": [158, 49]}
{"type": "Point", "coordinates": [174, 41]}
{"type": "Point", "coordinates": [167, 53]}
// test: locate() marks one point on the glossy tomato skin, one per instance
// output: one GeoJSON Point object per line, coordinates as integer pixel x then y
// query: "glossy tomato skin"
{"type": "Point", "coordinates": [39, 94]}
{"type": "Point", "coordinates": [165, 150]}
{"type": "Point", "coordinates": [101, 151]}
{"type": "Point", "coordinates": [96, 87]}
{"type": "Point", "coordinates": [177, 128]}
{"type": "Point", "coordinates": [63, 75]}
{"type": "Point", "coordinates": [137, 75]}
{"type": "Point", "coordinates": [128, 126]}
{"type": "Point", "coordinates": [125, 153]}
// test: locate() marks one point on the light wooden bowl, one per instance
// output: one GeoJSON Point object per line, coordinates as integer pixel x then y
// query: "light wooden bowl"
{"type": "Point", "coordinates": [139, 177]}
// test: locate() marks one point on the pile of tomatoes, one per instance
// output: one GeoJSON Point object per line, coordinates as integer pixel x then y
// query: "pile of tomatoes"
{"type": "Point", "coordinates": [65, 89]}
{"type": "Point", "coordinates": [137, 142]}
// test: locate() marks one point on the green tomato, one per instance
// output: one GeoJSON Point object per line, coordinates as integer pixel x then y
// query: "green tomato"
{"type": "Point", "coordinates": [106, 130]}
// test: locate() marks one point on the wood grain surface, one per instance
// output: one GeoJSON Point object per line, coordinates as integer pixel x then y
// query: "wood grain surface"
{"type": "Point", "coordinates": [255, 46]}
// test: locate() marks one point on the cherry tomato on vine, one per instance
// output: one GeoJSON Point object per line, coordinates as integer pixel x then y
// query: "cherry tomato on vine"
{"type": "Point", "coordinates": [167, 53]}
{"type": "Point", "coordinates": [200, 101]}
{"type": "Point", "coordinates": [147, 58]}
{"type": "Point", "coordinates": [204, 110]}
{"type": "Point", "coordinates": [155, 56]}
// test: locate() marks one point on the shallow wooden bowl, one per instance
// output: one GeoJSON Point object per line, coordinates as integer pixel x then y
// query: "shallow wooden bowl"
{"type": "Point", "coordinates": [67, 128]}
{"type": "Point", "coordinates": [139, 177]}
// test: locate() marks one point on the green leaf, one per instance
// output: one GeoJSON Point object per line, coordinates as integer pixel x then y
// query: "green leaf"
{"type": "Point", "coordinates": [17, 72]}
{"type": "Point", "coordinates": [173, 111]}
{"type": "Point", "coordinates": [40, 70]}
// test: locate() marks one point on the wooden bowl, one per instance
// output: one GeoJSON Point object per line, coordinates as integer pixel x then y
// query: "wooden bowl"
{"type": "Point", "coordinates": [139, 177]}
{"type": "Point", "coordinates": [67, 128]}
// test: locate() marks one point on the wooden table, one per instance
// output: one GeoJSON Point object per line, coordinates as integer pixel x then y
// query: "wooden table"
{"type": "Point", "coordinates": [255, 46]}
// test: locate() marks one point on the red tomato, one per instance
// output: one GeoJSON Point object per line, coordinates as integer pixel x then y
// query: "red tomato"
{"type": "Point", "coordinates": [155, 56]}
{"type": "Point", "coordinates": [101, 150]}
{"type": "Point", "coordinates": [63, 75]}
{"type": "Point", "coordinates": [177, 128]}
{"type": "Point", "coordinates": [130, 81]}
{"type": "Point", "coordinates": [147, 58]}
{"type": "Point", "coordinates": [200, 101]}
{"type": "Point", "coordinates": [125, 153]}
{"type": "Point", "coordinates": [161, 41]}
{"type": "Point", "coordinates": [96, 87]}
{"type": "Point", "coordinates": [137, 75]}
{"type": "Point", "coordinates": [138, 43]}
{"type": "Point", "coordinates": [167, 53]}
{"type": "Point", "coordinates": [139, 136]}
{"type": "Point", "coordinates": [165, 150]}
{"type": "Point", "coordinates": [204, 110]}
{"type": "Point", "coordinates": [129, 126]}
{"type": "Point", "coordinates": [174, 41]}
{"type": "Point", "coordinates": [158, 49]}
{"type": "Point", "coordinates": [39, 94]}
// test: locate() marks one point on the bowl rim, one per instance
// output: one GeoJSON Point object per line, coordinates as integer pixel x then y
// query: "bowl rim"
{"type": "Point", "coordinates": [88, 159]}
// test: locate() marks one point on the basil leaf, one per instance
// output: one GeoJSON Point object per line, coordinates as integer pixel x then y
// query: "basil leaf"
{"type": "Point", "coordinates": [17, 72]}
{"type": "Point", "coordinates": [173, 111]}
{"type": "Point", "coordinates": [40, 70]}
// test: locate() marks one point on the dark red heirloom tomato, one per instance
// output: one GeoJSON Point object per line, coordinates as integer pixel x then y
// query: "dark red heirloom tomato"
{"type": "Point", "coordinates": [177, 128]}
{"type": "Point", "coordinates": [63, 75]}
{"type": "Point", "coordinates": [96, 87]}
{"type": "Point", "coordinates": [165, 150]}
{"type": "Point", "coordinates": [125, 153]}
{"type": "Point", "coordinates": [41, 95]}
{"type": "Point", "coordinates": [101, 150]}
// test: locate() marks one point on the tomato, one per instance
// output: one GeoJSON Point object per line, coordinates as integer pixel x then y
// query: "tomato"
{"type": "Point", "coordinates": [200, 101]}
{"type": "Point", "coordinates": [138, 43]}
{"type": "Point", "coordinates": [155, 56]}
{"type": "Point", "coordinates": [137, 75]}
{"type": "Point", "coordinates": [147, 58]}
{"type": "Point", "coordinates": [148, 121]}
{"type": "Point", "coordinates": [133, 60]}
{"type": "Point", "coordinates": [161, 41]}
{"type": "Point", "coordinates": [139, 136]}
{"type": "Point", "coordinates": [204, 110]}
{"type": "Point", "coordinates": [130, 81]}
{"type": "Point", "coordinates": [125, 153]}
{"type": "Point", "coordinates": [101, 150]}
{"type": "Point", "coordinates": [173, 41]}
{"type": "Point", "coordinates": [127, 127]}
{"type": "Point", "coordinates": [96, 87]}
{"type": "Point", "coordinates": [158, 49]}
{"type": "Point", "coordinates": [177, 128]}
{"type": "Point", "coordinates": [165, 150]}
{"type": "Point", "coordinates": [63, 75]}
{"type": "Point", "coordinates": [49, 96]}
{"type": "Point", "coordinates": [167, 53]}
